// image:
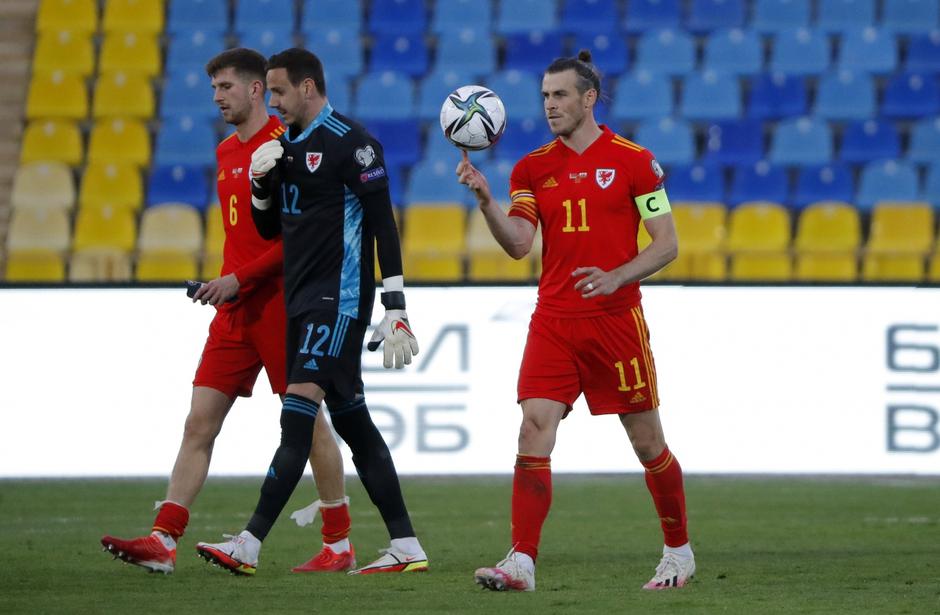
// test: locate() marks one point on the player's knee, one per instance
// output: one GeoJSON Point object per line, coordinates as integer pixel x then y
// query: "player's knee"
{"type": "Point", "coordinates": [647, 446]}
{"type": "Point", "coordinates": [202, 427]}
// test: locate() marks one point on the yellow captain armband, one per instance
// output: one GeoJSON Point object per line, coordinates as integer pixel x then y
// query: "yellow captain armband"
{"type": "Point", "coordinates": [653, 204]}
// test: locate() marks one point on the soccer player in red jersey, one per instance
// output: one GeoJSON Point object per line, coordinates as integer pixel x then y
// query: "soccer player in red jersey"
{"type": "Point", "coordinates": [246, 333]}
{"type": "Point", "coordinates": [589, 189]}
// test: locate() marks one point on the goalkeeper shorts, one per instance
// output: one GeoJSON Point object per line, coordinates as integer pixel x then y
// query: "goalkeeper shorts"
{"type": "Point", "coordinates": [325, 348]}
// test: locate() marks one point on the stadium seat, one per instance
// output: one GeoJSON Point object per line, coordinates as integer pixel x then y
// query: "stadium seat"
{"type": "Point", "coordinates": [206, 15]}
{"type": "Point", "coordinates": [105, 227]}
{"type": "Point", "coordinates": [933, 268]}
{"type": "Point", "coordinates": [214, 243]}
{"type": "Point", "coordinates": [838, 16]}
{"type": "Point", "coordinates": [520, 93]}
{"type": "Point", "coordinates": [79, 16]}
{"type": "Point", "coordinates": [901, 228]}
{"type": "Point", "coordinates": [434, 181]}
{"type": "Point", "coordinates": [37, 230]}
{"type": "Point", "coordinates": [910, 16]}
{"type": "Point", "coordinates": [760, 181]}
{"type": "Point", "coordinates": [43, 185]}
{"type": "Point", "coordinates": [646, 15]}
{"type": "Point", "coordinates": [826, 267]}
{"type": "Point", "coordinates": [923, 53]}
{"type": "Point", "coordinates": [526, 15]}
{"type": "Point", "coordinates": [268, 40]}
{"type": "Point", "coordinates": [120, 140]}
{"type": "Point", "coordinates": [609, 53]}
{"type": "Point", "coordinates": [828, 182]}
{"type": "Point", "coordinates": [886, 180]}
{"type": "Point", "coordinates": [735, 142]}
{"type": "Point", "coordinates": [801, 141]}
{"type": "Point", "coordinates": [111, 185]}
{"type": "Point", "coordinates": [670, 140]}
{"type": "Point", "coordinates": [185, 140]}
{"type": "Point", "coordinates": [159, 267]}
{"type": "Point", "coordinates": [468, 51]}
{"type": "Point", "coordinates": [340, 51]}
{"type": "Point", "coordinates": [100, 265]}
{"type": "Point", "coordinates": [776, 95]}
{"type": "Point", "coordinates": [189, 51]}
{"type": "Point", "coordinates": [590, 17]}
{"type": "Point", "coordinates": [56, 95]}
{"type": "Point", "coordinates": [131, 52]}
{"type": "Point", "coordinates": [211, 267]}
{"type": "Point", "coordinates": [170, 228]}
{"type": "Point", "coordinates": [911, 95]}
{"type": "Point", "coordinates": [144, 16]}
{"type": "Point", "coordinates": [35, 267]}
{"type": "Point", "coordinates": [827, 227]}
{"type": "Point", "coordinates": [708, 15]}
{"type": "Point", "coordinates": [758, 226]}
{"type": "Point", "coordinates": [377, 89]}
{"type": "Point", "coordinates": [434, 241]}
{"type": "Point", "coordinates": [456, 16]}
{"type": "Point", "coordinates": [893, 268]}
{"type": "Point", "coordinates": [769, 267]}
{"type": "Point", "coordinates": [404, 54]}
{"type": "Point", "coordinates": [178, 183]}
{"type": "Point", "coordinates": [700, 226]}
{"type": "Point", "coordinates": [264, 15]}
{"type": "Point", "coordinates": [771, 16]}
{"type": "Point", "coordinates": [339, 93]}
{"type": "Point", "coordinates": [486, 260]}
{"type": "Point", "coordinates": [434, 88]}
{"type": "Point", "coordinates": [401, 17]}
{"type": "Point", "coordinates": [668, 52]}
{"type": "Point", "coordinates": [401, 140]}
{"type": "Point", "coordinates": [123, 95]}
{"type": "Point", "coordinates": [52, 141]}
{"type": "Point", "coordinates": [734, 51]}
{"type": "Point", "coordinates": [845, 95]}
{"type": "Point", "coordinates": [188, 93]}
{"type": "Point", "coordinates": [532, 51]}
{"type": "Point", "coordinates": [800, 52]}
{"type": "Point", "coordinates": [870, 49]}
{"type": "Point", "coordinates": [710, 95]}
{"type": "Point", "coordinates": [695, 182]}
{"type": "Point", "coordinates": [642, 95]}
{"type": "Point", "coordinates": [68, 51]}
{"type": "Point", "coordinates": [868, 140]}
{"type": "Point", "coordinates": [932, 185]}
{"type": "Point", "coordinates": [341, 14]}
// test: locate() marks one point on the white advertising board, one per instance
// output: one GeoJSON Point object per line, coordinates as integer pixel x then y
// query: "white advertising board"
{"type": "Point", "coordinates": [751, 380]}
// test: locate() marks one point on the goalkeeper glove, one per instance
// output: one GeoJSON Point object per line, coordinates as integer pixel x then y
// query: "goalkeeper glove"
{"type": "Point", "coordinates": [400, 342]}
{"type": "Point", "coordinates": [263, 160]}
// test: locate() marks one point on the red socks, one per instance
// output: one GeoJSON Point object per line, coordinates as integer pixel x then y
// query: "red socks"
{"type": "Point", "coordinates": [336, 523]}
{"type": "Point", "coordinates": [171, 520]}
{"type": "Point", "coordinates": [664, 480]}
{"type": "Point", "coordinates": [531, 499]}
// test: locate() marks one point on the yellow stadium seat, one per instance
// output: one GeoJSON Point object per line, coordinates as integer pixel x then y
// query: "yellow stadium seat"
{"type": "Point", "coordinates": [433, 267]}
{"type": "Point", "coordinates": [105, 227]}
{"type": "Point", "coordinates": [122, 94]}
{"type": "Point", "coordinates": [52, 141]}
{"type": "Point", "coordinates": [215, 231]}
{"type": "Point", "coordinates": [901, 228]}
{"type": "Point", "coordinates": [100, 265]}
{"type": "Point", "coordinates": [120, 140]}
{"type": "Point", "coordinates": [758, 226]}
{"type": "Point", "coordinates": [133, 16]}
{"type": "Point", "coordinates": [893, 268]}
{"type": "Point", "coordinates": [699, 226]}
{"type": "Point", "coordinates": [76, 15]}
{"type": "Point", "coordinates": [43, 185]}
{"type": "Point", "coordinates": [761, 267]}
{"type": "Point", "coordinates": [166, 267]}
{"type": "Point", "coordinates": [711, 267]}
{"type": "Point", "coordinates": [111, 185]}
{"type": "Point", "coordinates": [211, 266]}
{"type": "Point", "coordinates": [933, 268]}
{"type": "Point", "coordinates": [56, 95]}
{"type": "Point", "coordinates": [33, 230]}
{"type": "Point", "coordinates": [436, 229]}
{"type": "Point", "coordinates": [35, 267]}
{"type": "Point", "coordinates": [828, 226]}
{"type": "Point", "coordinates": [132, 52]}
{"type": "Point", "coordinates": [64, 50]}
{"type": "Point", "coordinates": [498, 267]}
{"type": "Point", "coordinates": [826, 267]}
{"type": "Point", "coordinates": [170, 228]}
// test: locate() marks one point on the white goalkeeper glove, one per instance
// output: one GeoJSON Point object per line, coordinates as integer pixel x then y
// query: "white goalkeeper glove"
{"type": "Point", "coordinates": [400, 342]}
{"type": "Point", "coordinates": [263, 160]}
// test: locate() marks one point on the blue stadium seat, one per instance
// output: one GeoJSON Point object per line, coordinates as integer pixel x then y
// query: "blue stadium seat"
{"type": "Point", "coordinates": [828, 182]}
{"type": "Point", "coordinates": [710, 95]}
{"type": "Point", "coordinates": [532, 51]}
{"type": "Point", "coordinates": [526, 15]}
{"type": "Point", "coordinates": [696, 182]}
{"type": "Point", "coordinates": [188, 93]}
{"type": "Point", "coordinates": [845, 95]}
{"type": "Point", "coordinates": [403, 17]}
{"type": "Point", "coordinates": [837, 16]}
{"type": "Point", "coordinates": [609, 52]}
{"type": "Point", "coordinates": [925, 142]}
{"type": "Point", "coordinates": [498, 171]}
{"type": "Point", "coordinates": [191, 49]}
{"type": "Point", "coordinates": [589, 16]}
{"type": "Point", "coordinates": [433, 181]}
{"type": "Point", "coordinates": [178, 183]}
{"type": "Point", "coordinates": [455, 16]}
{"type": "Point", "coordinates": [734, 143]}
{"type": "Point", "coordinates": [642, 94]}
{"type": "Point", "coordinates": [760, 181]}
{"type": "Point", "coordinates": [671, 140]}
{"type": "Point", "coordinates": [264, 14]}
{"type": "Point", "coordinates": [887, 180]}
{"type": "Point", "coordinates": [800, 52]}
{"type": "Point", "coordinates": [775, 95]}
{"type": "Point", "coordinates": [434, 88]}
{"type": "Point", "coordinates": [910, 16]}
{"type": "Point", "coordinates": [923, 53]}
{"type": "Point", "coordinates": [185, 140]}
{"type": "Point", "coordinates": [771, 16]}
{"type": "Point", "coordinates": [646, 15]}
{"type": "Point", "coordinates": [468, 51]}
{"type": "Point", "coordinates": [268, 40]}
{"type": "Point", "coordinates": [522, 136]}
{"type": "Point", "coordinates": [735, 51]}
{"type": "Point", "coordinates": [436, 147]}
{"type": "Point", "coordinates": [864, 141]}
{"type": "Point", "coordinates": [801, 141]}
{"type": "Point", "coordinates": [339, 92]}
{"type": "Point", "coordinates": [404, 54]}
{"type": "Point", "coordinates": [401, 140]}
{"type": "Point", "coordinates": [932, 185]}
{"type": "Point", "coordinates": [520, 92]}
{"type": "Point", "coordinates": [869, 49]}
{"type": "Point", "coordinates": [670, 52]}
{"type": "Point", "coordinates": [911, 95]}
{"type": "Point", "coordinates": [339, 49]}
{"type": "Point", "coordinates": [206, 15]}
{"type": "Point", "coordinates": [385, 95]}
{"type": "Point", "coordinates": [708, 15]}
{"type": "Point", "coordinates": [319, 14]}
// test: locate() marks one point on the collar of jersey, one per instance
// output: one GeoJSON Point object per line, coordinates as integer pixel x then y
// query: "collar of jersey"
{"type": "Point", "coordinates": [321, 117]}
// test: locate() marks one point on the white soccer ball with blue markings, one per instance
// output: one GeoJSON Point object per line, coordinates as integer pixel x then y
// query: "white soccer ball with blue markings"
{"type": "Point", "coordinates": [473, 117]}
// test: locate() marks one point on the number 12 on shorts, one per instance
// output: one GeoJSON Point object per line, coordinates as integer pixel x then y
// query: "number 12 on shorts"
{"type": "Point", "coordinates": [638, 384]}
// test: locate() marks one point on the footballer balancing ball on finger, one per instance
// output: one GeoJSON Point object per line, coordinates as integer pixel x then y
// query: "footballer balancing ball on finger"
{"type": "Point", "coordinates": [473, 117]}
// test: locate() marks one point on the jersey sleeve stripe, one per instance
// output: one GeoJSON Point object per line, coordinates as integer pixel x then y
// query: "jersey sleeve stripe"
{"type": "Point", "coordinates": [627, 144]}
{"type": "Point", "coordinates": [521, 193]}
{"type": "Point", "coordinates": [543, 150]}
{"type": "Point", "coordinates": [522, 213]}
{"type": "Point", "coordinates": [525, 207]}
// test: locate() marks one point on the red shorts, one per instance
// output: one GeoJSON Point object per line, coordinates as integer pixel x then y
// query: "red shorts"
{"type": "Point", "coordinates": [607, 357]}
{"type": "Point", "coordinates": [240, 341]}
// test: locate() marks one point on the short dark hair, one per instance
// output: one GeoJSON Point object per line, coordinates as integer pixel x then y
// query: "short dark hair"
{"type": "Point", "coordinates": [300, 64]}
{"type": "Point", "coordinates": [588, 75]}
{"type": "Point", "coordinates": [248, 63]}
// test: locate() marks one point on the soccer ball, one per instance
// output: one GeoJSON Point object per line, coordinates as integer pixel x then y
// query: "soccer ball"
{"type": "Point", "coordinates": [473, 117]}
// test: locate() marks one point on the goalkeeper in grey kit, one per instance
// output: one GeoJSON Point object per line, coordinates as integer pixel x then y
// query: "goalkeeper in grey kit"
{"type": "Point", "coordinates": [323, 186]}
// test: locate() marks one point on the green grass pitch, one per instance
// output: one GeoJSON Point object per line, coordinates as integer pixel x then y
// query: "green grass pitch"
{"type": "Point", "coordinates": [763, 545]}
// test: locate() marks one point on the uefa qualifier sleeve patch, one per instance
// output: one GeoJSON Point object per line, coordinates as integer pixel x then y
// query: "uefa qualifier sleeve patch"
{"type": "Point", "coordinates": [653, 204]}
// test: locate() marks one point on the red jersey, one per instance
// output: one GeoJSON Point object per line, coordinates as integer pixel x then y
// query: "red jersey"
{"type": "Point", "coordinates": [256, 262]}
{"type": "Point", "coordinates": [585, 204]}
